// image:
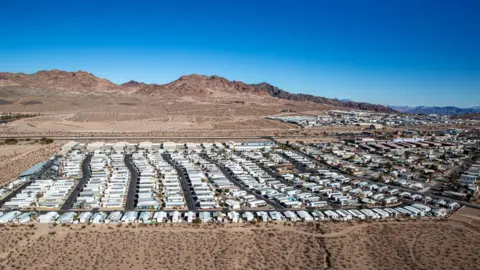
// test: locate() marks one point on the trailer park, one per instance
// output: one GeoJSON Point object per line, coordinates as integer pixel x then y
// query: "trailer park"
{"type": "Point", "coordinates": [147, 182]}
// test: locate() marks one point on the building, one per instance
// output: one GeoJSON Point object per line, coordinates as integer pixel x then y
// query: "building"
{"type": "Point", "coordinates": [33, 170]}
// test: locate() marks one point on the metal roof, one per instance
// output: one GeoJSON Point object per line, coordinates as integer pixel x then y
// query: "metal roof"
{"type": "Point", "coordinates": [34, 169]}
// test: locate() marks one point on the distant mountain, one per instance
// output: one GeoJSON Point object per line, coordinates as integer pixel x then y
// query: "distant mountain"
{"type": "Point", "coordinates": [279, 93]}
{"type": "Point", "coordinates": [448, 110]}
{"type": "Point", "coordinates": [79, 81]}
{"type": "Point", "coordinates": [189, 85]}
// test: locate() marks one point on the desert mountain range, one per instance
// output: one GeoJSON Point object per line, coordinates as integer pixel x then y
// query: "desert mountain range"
{"type": "Point", "coordinates": [447, 110]}
{"type": "Point", "coordinates": [194, 85]}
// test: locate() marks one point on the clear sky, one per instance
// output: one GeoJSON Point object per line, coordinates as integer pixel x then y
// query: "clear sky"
{"type": "Point", "coordinates": [399, 52]}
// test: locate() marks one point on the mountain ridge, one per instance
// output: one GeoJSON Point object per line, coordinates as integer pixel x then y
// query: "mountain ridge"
{"type": "Point", "coordinates": [441, 110]}
{"type": "Point", "coordinates": [186, 85]}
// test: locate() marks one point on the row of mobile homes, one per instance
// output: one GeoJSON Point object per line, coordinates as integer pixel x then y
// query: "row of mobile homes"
{"type": "Point", "coordinates": [203, 193]}
{"type": "Point", "coordinates": [71, 165]}
{"type": "Point", "coordinates": [147, 186]}
{"type": "Point", "coordinates": [9, 217]}
{"type": "Point", "coordinates": [170, 185]}
{"type": "Point", "coordinates": [56, 193]}
{"type": "Point", "coordinates": [116, 190]}
{"type": "Point", "coordinates": [93, 191]}
{"type": "Point", "coordinates": [232, 216]}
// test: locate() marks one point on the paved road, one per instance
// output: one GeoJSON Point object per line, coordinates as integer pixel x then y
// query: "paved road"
{"type": "Point", "coordinates": [239, 184]}
{"type": "Point", "coordinates": [373, 182]}
{"type": "Point", "coordinates": [80, 185]}
{"type": "Point", "coordinates": [117, 138]}
{"type": "Point", "coordinates": [187, 193]}
{"type": "Point", "coordinates": [132, 187]}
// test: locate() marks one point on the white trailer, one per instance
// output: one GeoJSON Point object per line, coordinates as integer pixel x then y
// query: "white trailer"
{"type": "Point", "coordinates": [344, 215]}
{"type": "Point", "coordinates": [84, 217]}
{"type": "Point", "coordinates": [357, 214]}
{"type": "Point", "coordinates": [234, 216]}
{"type": "Point", "coordinates": [381, 213]}
{"type": "Point", "coordinates": [331, 214]}
{"type": "Point", "coordinates": [130, 217]}
{"type": "Point", "coordinates": [160, 216]}
{"type": "Point", "coordinates": [304, 215]}
{"type": "Point", "coordinates": [175, 217]}
{"type": "Point", "coordinates": [99, 217]}
{"type": "Point", "coordinates": [290, 215]}
{"type": "Point", "coordinates": [190, 216]}
{"type": "Point", "coordinates": [248, 216]}
{"type": "Point", "coordinates": [49, 217]}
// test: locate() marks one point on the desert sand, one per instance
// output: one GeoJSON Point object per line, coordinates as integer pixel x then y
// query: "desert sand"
{"type": "Point", "coordinates": [423, 244]}
{"type": "Point", "coordinates": [14, 159]}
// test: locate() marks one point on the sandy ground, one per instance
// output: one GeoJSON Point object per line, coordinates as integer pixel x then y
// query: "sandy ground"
{"type": "Point", "coordinates": [227, 115]}
{"type": "Point", "coordinates": [468, 215]}
{"type": "Point", "coordinates": [368, 245]}
{"type": "Point", "coordinates": [138, 123]}
{"type": "Point", "coordinates": [170, 115]}
{"type": "Point", "coordinates": [14, 159]}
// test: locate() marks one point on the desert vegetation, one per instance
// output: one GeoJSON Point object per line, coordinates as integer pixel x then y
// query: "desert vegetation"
{"type": "Point", "coordinates": [377, 245]}
{"type": "Point", "coordinates": [14, 159]}
{"type": "Point", "coordinates": [10, 117]}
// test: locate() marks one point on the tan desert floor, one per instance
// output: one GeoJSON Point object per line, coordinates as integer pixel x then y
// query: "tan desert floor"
{"type": "Point", "coordinates": [376, 245]}
{"type": "Point", "coordinates": [14, 159]}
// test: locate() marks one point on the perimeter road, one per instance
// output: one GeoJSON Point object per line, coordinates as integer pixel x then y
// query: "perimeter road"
{"type": "Point", "coordinates": [183, 180]}
{"type": "Point", "coordinates": [132, 187]}
{"type": "Point", "coordinates": [228, 174]}
{"type": "Point", "coordinates": [135, 138]}
{"type": "Point", "coordinates": [80, 185]}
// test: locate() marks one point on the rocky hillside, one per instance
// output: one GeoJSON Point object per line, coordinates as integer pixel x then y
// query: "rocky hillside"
{"type": "Point", "coordinates": [58, 80]}
{"type": "Point", "coordinates": [279, 93]}
{"type": "Point", "coordinates": [189, 85]}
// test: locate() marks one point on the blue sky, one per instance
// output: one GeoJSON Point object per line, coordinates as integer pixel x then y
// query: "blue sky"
{"type": "Point", "coordinates": [399, 52]}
